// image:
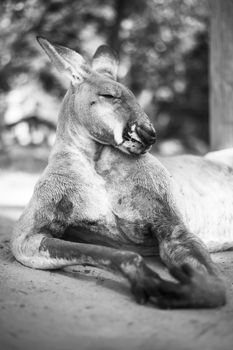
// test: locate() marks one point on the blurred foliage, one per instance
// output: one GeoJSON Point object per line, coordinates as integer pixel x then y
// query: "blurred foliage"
{"type": "Point", "coordinates": [162, 44]}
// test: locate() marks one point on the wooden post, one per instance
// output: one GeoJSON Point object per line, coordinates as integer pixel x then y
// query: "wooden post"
{"type": "Point", "coordinates": [221, 74]}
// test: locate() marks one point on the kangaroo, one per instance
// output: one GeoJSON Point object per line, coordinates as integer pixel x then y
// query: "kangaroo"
{"type": "Point", "coordinates": [104, 200]}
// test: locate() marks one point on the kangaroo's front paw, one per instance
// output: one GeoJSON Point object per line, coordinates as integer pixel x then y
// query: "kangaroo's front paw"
{"type": "Point", "coordinates": [144, 284]}
{"type": "Point", "coordinates": [145, 290]}
{"type": "Point", "coordinates": [195, 290]}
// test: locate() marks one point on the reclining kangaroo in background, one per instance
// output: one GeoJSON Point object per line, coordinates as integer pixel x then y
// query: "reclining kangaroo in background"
{"type": "Point", "coordinates": [101, 187]}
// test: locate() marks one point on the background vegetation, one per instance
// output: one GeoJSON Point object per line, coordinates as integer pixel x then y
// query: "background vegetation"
{"type": "Point", "coordinates": [163, 49]}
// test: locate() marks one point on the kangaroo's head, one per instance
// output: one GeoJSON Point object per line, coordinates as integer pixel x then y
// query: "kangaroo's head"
{"type": "Point", "coordinates": [105, 108]}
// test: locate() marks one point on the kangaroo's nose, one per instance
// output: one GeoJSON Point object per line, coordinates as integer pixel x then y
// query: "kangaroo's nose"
{"type": "Point", "coordinates": [147, 133]}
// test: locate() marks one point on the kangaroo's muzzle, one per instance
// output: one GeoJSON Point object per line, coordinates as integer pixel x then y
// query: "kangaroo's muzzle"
{"type": "Point", "coordinates": [138, 138]}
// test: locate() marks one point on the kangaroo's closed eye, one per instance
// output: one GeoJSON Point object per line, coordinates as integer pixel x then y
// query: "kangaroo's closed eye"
{"type": "Point", "coordinates": [109, 96]}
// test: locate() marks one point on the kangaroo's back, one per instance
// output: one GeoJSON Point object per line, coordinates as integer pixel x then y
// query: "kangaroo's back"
{"type": "Point", "coordinates": [204, 197]}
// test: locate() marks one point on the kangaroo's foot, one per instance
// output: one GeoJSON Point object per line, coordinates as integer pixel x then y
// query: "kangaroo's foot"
{"type": "Point", "coordinates": [196, 290]}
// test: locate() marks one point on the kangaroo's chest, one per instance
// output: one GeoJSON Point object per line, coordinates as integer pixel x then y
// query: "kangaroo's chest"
{"type": "Point", "coordinates": [113, 214]}
{"type": "Point", "coordinates": [133, 199]}
{"type": "Point", "coordinates": [113, 209]}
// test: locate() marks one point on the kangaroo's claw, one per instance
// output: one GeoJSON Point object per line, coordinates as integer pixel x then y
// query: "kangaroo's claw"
{"type": "Point", "coordinates": [140, 294]}
{"type": "Point", "coordinates": [145, 284]}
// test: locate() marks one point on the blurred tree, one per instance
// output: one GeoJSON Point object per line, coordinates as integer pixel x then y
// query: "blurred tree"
{"type": "Point", "coordinates": [188, 108]}
{"type": "Point", "coordinates": [221, 74]}
{"type": "Point", "coordinates": [162, 45]}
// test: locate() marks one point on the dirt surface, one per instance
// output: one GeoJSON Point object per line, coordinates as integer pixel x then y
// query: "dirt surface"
{"type": "Point", "coordinates": [86, 308]}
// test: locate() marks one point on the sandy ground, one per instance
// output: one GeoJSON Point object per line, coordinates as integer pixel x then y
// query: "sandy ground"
{"type": "Point", "coordinates": [85, 308]}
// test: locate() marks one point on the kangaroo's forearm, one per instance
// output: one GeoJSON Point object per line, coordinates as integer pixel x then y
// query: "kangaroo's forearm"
{"type": "Point", "coordinates": [181, 247]}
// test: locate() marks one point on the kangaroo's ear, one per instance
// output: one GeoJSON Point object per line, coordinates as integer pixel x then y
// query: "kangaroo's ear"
{"type": "Point", "coordinates": [105, 61]}
{"type": "Point", "coordinates": [65, 60]}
